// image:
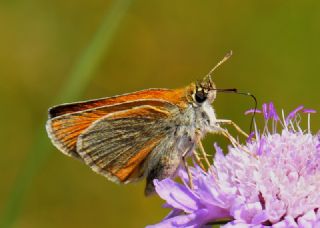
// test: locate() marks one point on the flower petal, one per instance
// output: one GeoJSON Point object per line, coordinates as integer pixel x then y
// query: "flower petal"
{"type": "Point", "coordinates": [175, 212]}
{"type": "Point", "coordinates": [251, 213]}
{"type": "Point", "coordinates": [308, 219]}
{"type": "Point", "coordinates": [177, 195]}
{"type": "Point", "coordinates": [194, 220]}
{"type": "Point", "coordinates": [240, 224]}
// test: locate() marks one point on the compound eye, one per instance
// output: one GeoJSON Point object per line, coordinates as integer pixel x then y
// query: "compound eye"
{"type": "Point", "coordinates": [200, 96]}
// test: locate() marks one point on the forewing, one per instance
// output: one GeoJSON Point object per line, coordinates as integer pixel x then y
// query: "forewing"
{"type": "Point", "coordinates": [65, 129]}
{"type": "Point", "coordinates": [176, 97]}
{"type": "Point", "coordinates": [116, 145]}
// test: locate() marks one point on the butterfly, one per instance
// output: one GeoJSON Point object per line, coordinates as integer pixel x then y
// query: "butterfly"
{"type": "Point", "coordinates": [144, 134]}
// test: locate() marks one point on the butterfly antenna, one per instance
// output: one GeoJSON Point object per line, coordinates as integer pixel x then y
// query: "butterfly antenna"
{"type": "Point", "coordinates": [225, 58]}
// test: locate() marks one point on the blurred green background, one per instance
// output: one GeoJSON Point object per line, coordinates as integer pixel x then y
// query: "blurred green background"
{"type": "Point", "coordinates": [63, 51]}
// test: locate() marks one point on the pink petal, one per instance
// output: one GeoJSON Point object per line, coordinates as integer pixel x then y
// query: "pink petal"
{"type": "Point", "coordinates": [177, 195]}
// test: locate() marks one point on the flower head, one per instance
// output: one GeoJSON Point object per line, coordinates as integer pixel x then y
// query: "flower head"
{"type": "Point", "coordinates": [277, 186]}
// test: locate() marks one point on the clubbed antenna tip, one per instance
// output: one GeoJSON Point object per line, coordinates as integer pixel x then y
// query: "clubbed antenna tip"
{"type": "Point", "coordinates": [225, 58]}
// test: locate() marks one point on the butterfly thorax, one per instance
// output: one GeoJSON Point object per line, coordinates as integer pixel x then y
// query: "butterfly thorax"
{"type": "Point", "coordinates": [198, 117]}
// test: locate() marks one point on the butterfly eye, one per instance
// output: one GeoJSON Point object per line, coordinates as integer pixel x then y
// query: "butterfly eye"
{"type": "Point", "coordinates": [200, 96]}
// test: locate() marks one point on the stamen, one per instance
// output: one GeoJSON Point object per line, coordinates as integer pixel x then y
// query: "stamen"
{"type": "Point", "coordinates": [265, 111]}
{"type": "Point", "coordinates": [309, 128]}
{"type": "Point", "coordinates": [309, 112]}
{"type": "Point", "coordinates": [297, 121]}
{"type": "Point", "coordinates": [294, 113]}
{"type": "Point", "coordinates": [261, 145]}
{"type": "Point", "coordinates": [256, 132]}
{"type": "Point", "coordinates": [285, 124]}
{"type": "Point", "coordinates": [272, 112]}
{"type": "Point", "coordinates": [251, 111]}
{"type": "Point", "coordinates": [292, 126]}
{"type": "Point", "coordinates": [251, 135]}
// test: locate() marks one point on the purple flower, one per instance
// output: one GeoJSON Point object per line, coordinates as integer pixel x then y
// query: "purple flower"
{"type": "Point", "coordinates": [277, 187]}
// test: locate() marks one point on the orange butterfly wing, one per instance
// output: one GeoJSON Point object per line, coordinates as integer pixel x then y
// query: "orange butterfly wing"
{"type": "Point", "coordinates": [117, 144]}
{"type": "Point", "coordinates": [173, 96]}
{"type": "Point", "coordinates": [66, 122]}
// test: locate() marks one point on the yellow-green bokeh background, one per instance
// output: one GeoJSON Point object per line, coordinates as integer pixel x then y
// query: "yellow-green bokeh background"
{"type": "Point", "coordinates": [157, 44]}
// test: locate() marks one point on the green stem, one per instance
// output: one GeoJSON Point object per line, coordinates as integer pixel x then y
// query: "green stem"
{"type": "Point", "coordinates": [80, 76]}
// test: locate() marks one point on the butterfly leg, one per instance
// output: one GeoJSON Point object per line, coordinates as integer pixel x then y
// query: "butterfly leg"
{"type": "Point", "coordinates": [230, 122]}
{"type": "Point", "coordinates": [185, 163]}
{"type": "Point", "coordinates": [234, 142]}
{"type": "Point", "coordinates": [202, 150]}
{"type": "Point", "coordinates": [198, 160]}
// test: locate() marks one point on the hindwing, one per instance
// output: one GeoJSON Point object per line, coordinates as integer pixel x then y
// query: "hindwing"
{"type": "Point", "coordinates": [117, 144]}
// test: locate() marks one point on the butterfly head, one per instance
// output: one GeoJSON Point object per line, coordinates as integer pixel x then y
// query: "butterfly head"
{"type": "Point", "coordinates": [203, 91]}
